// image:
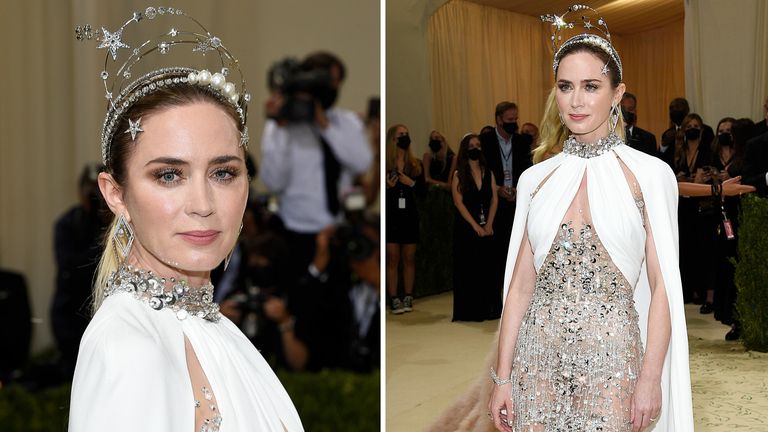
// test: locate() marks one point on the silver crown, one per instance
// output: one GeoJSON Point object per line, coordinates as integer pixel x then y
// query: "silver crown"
{"type": "Point", "coordinates": [590, 20]}
{"type": "Point", "coordinates": [122, 93]}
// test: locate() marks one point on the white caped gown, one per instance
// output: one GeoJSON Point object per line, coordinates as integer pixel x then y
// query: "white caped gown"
{"type": "Point", "coordinates": [545, 195]}
{"type": "Point", "coordinates": [132, 373]}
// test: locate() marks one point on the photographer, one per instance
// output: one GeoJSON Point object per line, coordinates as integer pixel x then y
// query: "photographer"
{"type": "Point", "coordinates": [311, 151]}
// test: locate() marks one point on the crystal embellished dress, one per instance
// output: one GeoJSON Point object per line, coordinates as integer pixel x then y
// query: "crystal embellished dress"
{"type": "Point", "coordinates": [581, 341]}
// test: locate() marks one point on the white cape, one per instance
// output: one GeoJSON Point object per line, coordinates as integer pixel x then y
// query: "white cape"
{"type": "Point", "coordinates": [132, 375]}
{"type": "Point", "coordinates": [619, 226]}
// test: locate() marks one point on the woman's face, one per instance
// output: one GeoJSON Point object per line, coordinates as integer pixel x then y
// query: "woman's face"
{"type": "Point", "coordinates": [473, 143]}
{"type": "Point", "coordinates": [724, 127]}
{"type": "Point", "coordinates": [400, 131]}
{"type": "Point", "coordinates": [693, 124]}
{"type": "Point", "coordinates": [186, 189]}
{"type": "Point", "coordinates": [585, 96]}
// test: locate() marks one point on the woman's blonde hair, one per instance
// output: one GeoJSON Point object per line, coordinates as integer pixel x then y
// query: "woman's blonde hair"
{"type": "Point", "coordinates": [412, 166]}
{"type": "Point", "coordinates": [553, 131]}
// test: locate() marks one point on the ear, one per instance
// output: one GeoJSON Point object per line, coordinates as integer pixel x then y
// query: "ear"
{"type": "Point", "coordinates": [113, 195]}
{"type": "Point", "coordinates": [619, 93]}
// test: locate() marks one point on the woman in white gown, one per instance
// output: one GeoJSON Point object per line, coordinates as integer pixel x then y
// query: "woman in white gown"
{"type": "Point", "coordinates": [592, 337]}
{"type": "Point", "coordinates": [158, 355]}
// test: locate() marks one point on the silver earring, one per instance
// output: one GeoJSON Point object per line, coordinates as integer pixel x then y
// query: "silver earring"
{"type": "Point", "coordinates": [562, 123]}
{"type": "Point", "coordinates": [229, 255]}
{"type": "Point", "coordinates": [123, 236]}
{"type": "Point", "coordinates": [613, 118]}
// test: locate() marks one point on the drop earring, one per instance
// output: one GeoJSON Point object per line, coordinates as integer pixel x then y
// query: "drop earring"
{"type": "Point", "coordinates": [613, 118]}
{"type": "Point", "coordinates": [122, 237]}
{"type": "Point", "coordinates": [229, 255]}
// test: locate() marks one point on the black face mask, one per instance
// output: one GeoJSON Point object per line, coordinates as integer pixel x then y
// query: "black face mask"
{"type": "Point", "coordinates": [692, 134]}
{"type": "Point", "coordinates": [677, 116]}
{"type": "Point", "coordinates": [725, 139]}
{"type": "Point", "coordinates": [404, 141]}
{"type": "Point", "coordinates": [629, 117]}
{"type": "Point", "coordinates": [474, 154]}
{"type": "Point", "coordinates": [509, 127]}
{"type": "Point", "coordinates": [435, 145]}
{"type": "Point", "coordinates": [327, 97]}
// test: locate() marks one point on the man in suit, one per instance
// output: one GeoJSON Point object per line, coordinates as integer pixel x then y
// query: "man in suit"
{"type": "Point", "coordinates": [639, 139]}
{"type": "Point", "coordinates": [756, 164]}
{"type": "Point", "coordinates": [507, 154]}
{"type": "Point", "coordinates": [761, 127]}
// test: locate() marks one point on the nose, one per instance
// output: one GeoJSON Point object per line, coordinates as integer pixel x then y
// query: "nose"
{"type": "Point", "coordinates": [201, 202]}
{"type": "Point", "coordinates": [577, 98]}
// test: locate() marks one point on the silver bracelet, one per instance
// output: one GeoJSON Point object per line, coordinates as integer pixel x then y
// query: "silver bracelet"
{"type": "Point", "coordinates": [498, 381]}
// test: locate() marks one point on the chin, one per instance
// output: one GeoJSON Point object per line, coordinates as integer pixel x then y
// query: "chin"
{"type": "Point", "coordinates": [199, 262]}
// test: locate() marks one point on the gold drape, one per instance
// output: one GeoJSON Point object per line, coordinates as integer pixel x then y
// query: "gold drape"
{"type": "Point", "coordinates": [480, 55]}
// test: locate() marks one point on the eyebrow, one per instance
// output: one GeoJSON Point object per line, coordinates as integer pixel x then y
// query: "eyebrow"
{"type": "Point", "coordinates": [176, 161]}
{"type": "Point", "coordinates": [586, 81]}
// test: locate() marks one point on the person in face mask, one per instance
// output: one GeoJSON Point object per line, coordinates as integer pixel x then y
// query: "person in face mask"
{"type": "Point", "coordinates": [405, 181]}
{"type": "Point", "coordinates": [678, 110]}
{"type": "Point", "coordinates": [476, 274]}
{"type": "Point", "coordinates": [439, 162]}
{"type": "Point", "coordinates": [507, 154]}
{"type": "Point", "coordinates": [637, 138]}
{"type": "Point", "coordinates": [292, 152]}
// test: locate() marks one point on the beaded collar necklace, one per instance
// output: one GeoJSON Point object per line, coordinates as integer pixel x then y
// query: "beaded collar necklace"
{"type": "Point", "coordinates": [590, 150]}
{"type": "Point", "coordinates": [181, 299]}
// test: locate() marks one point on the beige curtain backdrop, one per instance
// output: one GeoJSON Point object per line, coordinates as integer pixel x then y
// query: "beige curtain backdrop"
{"type": "Point", "coordinates": [53, 102]}
{"type": "Point", "coordinates": [480, 55]}
{"type": "Point", "coordinates": [726, 62]}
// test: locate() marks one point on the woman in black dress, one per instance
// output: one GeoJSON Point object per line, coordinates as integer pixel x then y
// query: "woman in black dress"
{"type": "Point", "coordinates": [439, 162]}
{"type": "Point", "coordinates": [476, 283]}
{"type": "Point", "coordinates": [404, 178]}
{"type": "Point", "coordinates": [695, 215]}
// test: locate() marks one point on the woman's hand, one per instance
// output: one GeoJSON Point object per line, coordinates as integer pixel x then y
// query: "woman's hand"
{"type": "Point", "coordinates": [391, 181]}
{"type": "Point", "coordinates": [646, 403]}
{"type": "Point", "coordinates": [488, 228]}
{"type": "Point", "coordinates": [500, 407]}
{"type": "Point", "coordinates": [733, 187]}
{"type": "Point", "coordinates": [480, 231]}
{"type": "Point", "coordinates": [404, 179]}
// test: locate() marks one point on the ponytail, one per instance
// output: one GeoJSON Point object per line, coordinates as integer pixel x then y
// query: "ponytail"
{"type": "Point", "coordinates": [108, 264]}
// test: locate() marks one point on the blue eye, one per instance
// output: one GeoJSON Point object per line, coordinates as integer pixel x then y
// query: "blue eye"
{"type": "Point", "coordinates": [168, 176]}
{"type": "Point", "coordinates": [225, 175]}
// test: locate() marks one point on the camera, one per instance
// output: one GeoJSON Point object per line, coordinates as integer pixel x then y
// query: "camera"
{"type": "Point", "coordinates": [301, 88]}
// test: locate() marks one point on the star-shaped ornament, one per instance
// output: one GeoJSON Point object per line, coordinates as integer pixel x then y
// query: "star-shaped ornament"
{"type": "Point", "coordinates": [560, 22]}
{"type": "Point", "coordinates": [203, 46]}
{"type": "Point", "coordinates": [112, 41]}
{"type": "Point", "coordinates": [134, 128]}
{"type": "Point", "coordinates": [604, 71]}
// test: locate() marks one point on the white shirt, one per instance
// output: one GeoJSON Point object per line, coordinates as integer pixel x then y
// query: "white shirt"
{"type": "Point", "coordinates": [292, 166]}
{"type": "Point", "coordinates": [505, 154]}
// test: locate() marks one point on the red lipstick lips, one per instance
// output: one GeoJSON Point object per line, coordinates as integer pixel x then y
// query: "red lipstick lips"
{"type": "Point", "coordinates": [200, 238]}
{"type": "Point", "coordinates": [577, 117]}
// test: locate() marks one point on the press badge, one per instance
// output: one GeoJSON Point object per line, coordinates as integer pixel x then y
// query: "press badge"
{"type": "Point", "coordinates": [401, 203]}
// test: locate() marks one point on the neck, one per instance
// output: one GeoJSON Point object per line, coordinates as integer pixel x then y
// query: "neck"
{"type": "Point", "coordinates": [594, 136]}
{"type": "Point", "coordinates": [502, 132]}
{"type": "Point", "coordinates": [141, 259]}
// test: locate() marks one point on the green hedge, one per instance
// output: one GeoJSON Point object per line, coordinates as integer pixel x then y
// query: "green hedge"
{"type": "Point", "coordinates": [752, 273]}
{"type": "Point", "coordinates": [326, 401]}
{"type": "Point", "coordinates": [434, 254]}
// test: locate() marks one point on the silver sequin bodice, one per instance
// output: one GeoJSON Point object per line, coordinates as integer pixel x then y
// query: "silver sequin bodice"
{"type": "Point", "coordinates": [579, 351]}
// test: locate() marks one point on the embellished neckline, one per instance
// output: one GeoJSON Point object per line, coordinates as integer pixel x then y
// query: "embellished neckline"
{"type": "Point", "coordinates": [181, 298]}
{"type": "Point", "coordinates": [590, 150]}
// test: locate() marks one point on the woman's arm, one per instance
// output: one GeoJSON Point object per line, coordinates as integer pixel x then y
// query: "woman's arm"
{"type": "Point", "coordinates": [731, 187]}
{"type": "Point", "coordinates": [426, 161]}
{"type": "Point", "coordinates": [458, 201]}
{"type": "Point", "coordinates": [494, 204]}
{"type": "Point", "coordinates": [646, 401]}
{"type": "Point", "coordinates": [521, 289]}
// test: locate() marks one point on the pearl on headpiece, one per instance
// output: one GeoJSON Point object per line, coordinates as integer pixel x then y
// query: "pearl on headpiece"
{"type": "Point", "coordinates": [204, 77]}
{"type": "Point", "coordinates": [218, 81]}
{"type": "Point", "coordinates": [192, 78]}
{"type": "Point", "coordinates": [229, 89]}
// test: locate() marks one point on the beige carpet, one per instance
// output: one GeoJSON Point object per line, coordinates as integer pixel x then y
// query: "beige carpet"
{"type": "Point", "coordinates": [431, 360]}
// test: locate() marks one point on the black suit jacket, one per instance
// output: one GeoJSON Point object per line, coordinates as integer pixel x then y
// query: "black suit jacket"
{"type": "Point", "coordinates": [761, 127]}
{"type": "Point", "coordinates": [756, 163]}
{"type": "Point", "coordinates": [521, 155]}
{"type": "Point", "coordinates": [642, 140]}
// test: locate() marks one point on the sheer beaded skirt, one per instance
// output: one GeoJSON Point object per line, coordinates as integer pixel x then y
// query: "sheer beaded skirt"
{"type": "Point", "coordinates": [579, 350]}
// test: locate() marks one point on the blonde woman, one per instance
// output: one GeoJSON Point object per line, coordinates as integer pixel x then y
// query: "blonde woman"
{"type": "Point", "coordinates": [404, 179]}
{"type": "Point", "coordinates": [158, 355]}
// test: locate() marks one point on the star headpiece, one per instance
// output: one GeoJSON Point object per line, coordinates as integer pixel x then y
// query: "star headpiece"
{"type": "Point", "coordinates": [591, 29]}
{"type": "Point", "coordinates": [179, 33]}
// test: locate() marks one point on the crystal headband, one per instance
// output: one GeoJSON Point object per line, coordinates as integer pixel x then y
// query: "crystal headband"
{"type": "Point", "coordinates": [128, 93]}
{"type": "Point", "coordinates": [599, 38]}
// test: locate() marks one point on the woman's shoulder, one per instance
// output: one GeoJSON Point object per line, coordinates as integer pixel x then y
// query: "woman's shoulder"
{"type": "Point", "coordinates": [647, 168]}
{"type": "Point", "coordinates": [122, 330]}
{"type": "Point", "coordinates": [535, 173]}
